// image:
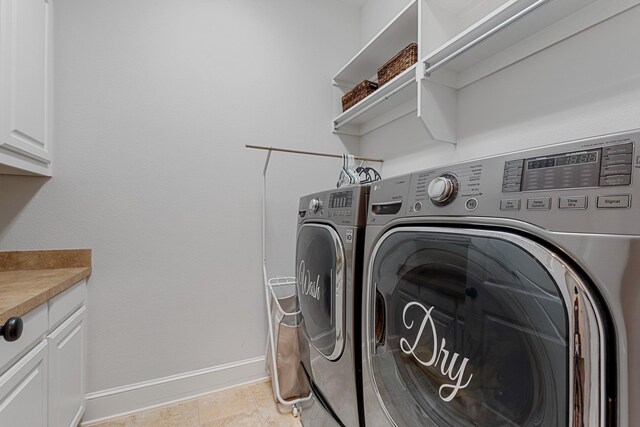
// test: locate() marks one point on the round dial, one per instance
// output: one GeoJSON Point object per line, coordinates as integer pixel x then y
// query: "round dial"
{"type": "Point", "coordinates": [443, 189]}
{"type": "Point", "coordinates": [315, 205]}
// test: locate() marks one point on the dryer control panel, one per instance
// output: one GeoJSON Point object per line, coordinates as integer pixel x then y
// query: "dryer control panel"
{"type": "Point", "coordinates": [579, 186]}
{"type": "Point", "coordinates": [601, 167]}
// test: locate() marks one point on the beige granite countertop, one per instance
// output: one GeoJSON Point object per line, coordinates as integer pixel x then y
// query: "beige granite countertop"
{"type": "Point", "coordinates": [31, 278]}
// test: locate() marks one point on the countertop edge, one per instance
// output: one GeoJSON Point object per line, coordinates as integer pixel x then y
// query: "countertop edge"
{"type": "Point", "coordinates": [47, 293]}
{"type": "Point", "coordinates": [45, 259]}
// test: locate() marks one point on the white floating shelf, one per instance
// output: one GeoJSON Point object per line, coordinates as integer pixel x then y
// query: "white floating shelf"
{"type": "Point", "coordinates": [466, 54]}
{"type": "Point", "coordinates": [400, 32]}
{"type": "Point", "coordinates": [506, 35]}
{"type": "Point", "coordinates": [382, 104]}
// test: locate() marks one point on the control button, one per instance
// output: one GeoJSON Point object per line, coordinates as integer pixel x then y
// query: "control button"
{"type": "Point", "coordinates": [615, 180]}
{"type": "Point", "coordinates": [471, 204]}
{"type": "Point", "coordinates": [417, 207]}
{"type": "Point", "coordinates": [508, 173]}
{"type": "Point", "coordinates": [515, 179]}
{"type": "Point", "coordinates": [616, 170]}
{"type": "Point", "coordinates": [510, 188]}
{"type": "Point", "coordinates": [617, 159]}
{"type": "Point", "coordinates": [510, 204]}
{"type": "Point", "coordinates": [623, 201]}
{"type": "Point", "coordinates": [578, 202]}
{"type": "Point", "coordinates": [514, 164]}
{"type": "Point", "coordinates": [618, 149]}
{"type": "Point", "coordinates": [541, 203]}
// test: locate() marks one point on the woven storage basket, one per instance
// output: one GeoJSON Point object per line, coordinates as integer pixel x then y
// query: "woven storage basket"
{"type": "Point", "coordinates": [358, 93]}
{"type": "Point", "coordinates": [403, 60]}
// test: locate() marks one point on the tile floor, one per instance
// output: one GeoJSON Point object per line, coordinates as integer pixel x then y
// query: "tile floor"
{"type": "Point", "coordinates": [248, 405]}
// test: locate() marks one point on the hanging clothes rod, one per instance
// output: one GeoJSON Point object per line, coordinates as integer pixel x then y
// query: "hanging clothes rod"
{"type": "Point", "coordinates": [310, 153]}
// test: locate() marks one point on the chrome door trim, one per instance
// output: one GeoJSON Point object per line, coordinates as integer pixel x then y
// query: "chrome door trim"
{"type": "Point", "coordinates": [586, 329]}
{"type": "Point", "coordinates": [340, 283]}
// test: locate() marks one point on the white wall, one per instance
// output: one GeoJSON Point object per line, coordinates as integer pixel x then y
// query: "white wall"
{"type": "Point", "coordinates": [584, 86]}
{"type": "Point", "coordinates": [154, 103]}
{"type": "Point", "coordinates": [376, 14]}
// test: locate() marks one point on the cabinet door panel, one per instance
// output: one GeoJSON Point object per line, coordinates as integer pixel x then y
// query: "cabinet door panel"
{"type": "Point", "coordinates": [67, 371]}
{"type": "Point", "coordinates": [25, 84]}
{"type": "Point", "coordinates": [23, 390]}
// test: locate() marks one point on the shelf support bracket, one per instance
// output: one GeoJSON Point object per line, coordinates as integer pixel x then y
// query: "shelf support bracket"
{"type": "Point", "coordinates": [437, 110]}
{"type": "Point", "coordinates": [426, 69]}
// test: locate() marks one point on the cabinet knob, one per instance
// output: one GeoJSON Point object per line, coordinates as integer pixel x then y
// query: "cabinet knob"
{"type": "Point", "coordinates": [12, 329]}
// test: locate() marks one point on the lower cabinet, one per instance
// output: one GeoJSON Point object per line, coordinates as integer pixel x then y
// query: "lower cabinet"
{"type": "Point", "coordinates": [43, 384]}
{"type": "Point", "coordinates": [66, 371]}
{"type": "Point", "coordinates": [23, 390]}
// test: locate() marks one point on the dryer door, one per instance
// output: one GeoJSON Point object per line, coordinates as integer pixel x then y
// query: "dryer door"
{"type": "Point", "coordinates": [320, 264]}
{"type": "Point", "coordinates": [471, 328]}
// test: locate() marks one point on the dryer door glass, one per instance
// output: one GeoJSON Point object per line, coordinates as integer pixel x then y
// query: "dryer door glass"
{"type": "Point", "coordinates": [476, 332]}
{"type": "Point", "coordinates": [320, 272]}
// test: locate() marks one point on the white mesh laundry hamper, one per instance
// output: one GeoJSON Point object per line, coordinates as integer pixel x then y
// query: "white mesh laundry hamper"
{"type": "Point", "coordinates": [285, 320]}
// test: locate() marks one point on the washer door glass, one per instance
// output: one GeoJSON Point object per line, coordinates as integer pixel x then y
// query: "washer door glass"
{"type": "Point", "coordinates": [475, 332]}
{"type": "Point", "coordinates": [320, 271]}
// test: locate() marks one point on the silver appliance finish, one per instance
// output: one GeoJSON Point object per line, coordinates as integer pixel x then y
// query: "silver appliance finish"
{"type": "Point", "coordinates": [575, 209]}
{"type": "Point", "coordinates": [329, 359]}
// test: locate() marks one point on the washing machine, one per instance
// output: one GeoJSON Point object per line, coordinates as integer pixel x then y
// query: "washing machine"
{"type": "Point", "coordinates": [505, 291]}
{"type": "Point", "coordinates": [329, 259]}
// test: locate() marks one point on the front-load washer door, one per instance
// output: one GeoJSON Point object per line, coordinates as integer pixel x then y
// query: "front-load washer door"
{"type": "Point", "coordinates": [480, 328]}
{"type": "Point", "coordinates": [320, 265]}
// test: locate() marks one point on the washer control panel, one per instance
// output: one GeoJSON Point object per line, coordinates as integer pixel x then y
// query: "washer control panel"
{"type": "Point", "coordinates": [341, 206]}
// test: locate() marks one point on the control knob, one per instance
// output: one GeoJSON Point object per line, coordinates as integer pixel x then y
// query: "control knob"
{"type": "Point", "coordinates": [443, 189]}
{"type": "Point", "coordinates": [315, 205]}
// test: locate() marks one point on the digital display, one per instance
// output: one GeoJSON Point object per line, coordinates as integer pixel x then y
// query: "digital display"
{"type": "Point", "coordinates": [578, 159]}
{"type": "Point", "coordinates": [544, 163]}
{"type": "Point", "coordinates": [342, 199]}
{"type": "Point", "coordinates": [569, 170]}
{"type": "Point", "coordinates": [564, 160]}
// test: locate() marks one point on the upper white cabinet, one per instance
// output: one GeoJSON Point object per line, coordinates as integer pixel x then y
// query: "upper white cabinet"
{"type": "Point", "coordinates": [26, 86]}
{"type": "Point", "coordinates": [459, 42]}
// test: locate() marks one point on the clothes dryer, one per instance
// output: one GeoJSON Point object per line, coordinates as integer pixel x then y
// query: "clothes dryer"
{"type": "Point", "coordinates": [505, 291]}
{"type": "Point", "coordinates": [329, 257]}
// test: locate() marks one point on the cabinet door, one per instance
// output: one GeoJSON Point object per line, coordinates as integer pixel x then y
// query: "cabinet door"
{"type": "Point", "coordinates": [67, 345]}
{"type": "Point", "coordinates": [25, 86]}
{"type": "Point", "coordinates": [23, 390]}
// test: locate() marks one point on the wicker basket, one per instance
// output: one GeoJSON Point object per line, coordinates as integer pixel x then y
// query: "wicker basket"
{"type": "Point", "coordinates": [403, 60]}
{"type": "Point", "coordinates": [358, 93]}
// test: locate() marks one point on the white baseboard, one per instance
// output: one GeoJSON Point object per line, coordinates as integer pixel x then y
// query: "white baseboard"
{"type": "Point", "coordinates": [119, 401]}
